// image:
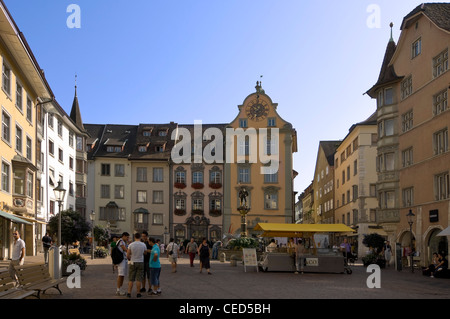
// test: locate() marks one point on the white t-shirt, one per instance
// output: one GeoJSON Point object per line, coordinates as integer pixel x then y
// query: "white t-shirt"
{"type": "Point", "coordinates": [137, 249]}
{"type": "Point", "coordinates": [17, 249]}
{"type": "Point", "coordinates": [173, 247]}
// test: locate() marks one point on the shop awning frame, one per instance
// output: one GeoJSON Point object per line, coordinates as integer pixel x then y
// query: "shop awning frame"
{"type": "Point", "coordinates": [299, 230]}
{"type": "Point", "coordinates": [14, 218]}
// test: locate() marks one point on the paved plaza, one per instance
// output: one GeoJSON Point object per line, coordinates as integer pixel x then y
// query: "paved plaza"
{"type": "Point", "coordinates": [233, 283]}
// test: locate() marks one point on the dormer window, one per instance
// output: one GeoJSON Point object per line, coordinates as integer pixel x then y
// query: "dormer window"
{"type": "Point", "coordinates": [147, 133]}
{"type": "Point", "coordinates": [162, 132]}
{"type": "Point", "coordinates": [159, 148]}
{"type": "Point", "coordinates": [142, 148]}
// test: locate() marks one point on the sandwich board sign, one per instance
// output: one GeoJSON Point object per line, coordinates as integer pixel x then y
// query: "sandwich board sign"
{"type": "Point", "coordinates": [249, 257]}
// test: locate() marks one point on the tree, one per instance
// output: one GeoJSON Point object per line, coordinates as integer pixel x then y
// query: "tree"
{"type": "Point", "coordinates": [73, 227]}
{"type": "Point", "coordinates": [374, 241]}
{"type": "Point", "coordinates": [101, 235]}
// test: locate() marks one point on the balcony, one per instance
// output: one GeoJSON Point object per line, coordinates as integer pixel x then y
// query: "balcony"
{"type": "Point", "coordinates": [386, 216]}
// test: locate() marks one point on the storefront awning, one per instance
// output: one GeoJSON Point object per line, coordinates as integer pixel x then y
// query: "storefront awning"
{"type": "Point", "coordinates": [445, 232]}
{"type": "Point", "coordinates": [299, 230]}
{"type": "Point", "coordinates": [33, 220]}
{"type": "Point", "coordinates": [14, 218]}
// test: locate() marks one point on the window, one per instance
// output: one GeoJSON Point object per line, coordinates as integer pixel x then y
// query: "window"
{"type": "Point", "coordinates": [387, 199]}
{"type": "Point", "coordinates": [373, 190]}
{"type": "Point", "coordinates": [6, 175]}
{"type": "Point", "coordinates": [197, 204]}
{"type": "Point", "coordinates": [141, 174]}
{"type": "Point", "coordinates": [147, 133]}
{"type": "Point", "coordinates": [406, 87]}
{"type": "Point", "coordinates": [50, 120]}
{"type": "Point", "coordinates": [18, 139]}
{"type": "Point", "coordinates": [442, 186]}
{"type": "Point", "coordinates": [271, 177]}
{"type": "Point", "coordinates": [71, 191]}
{"type": "Point", "coordinates": [80, 143]}
{"type": "Point", "coordinates": [355, 167]}
{"type": "Point", "coordinates": [271, 200]}
{"type": "Point", "coordinates": [19, 98]}
{"type": "Point", "coordinates": [157, 197]}
{"type": "Point", "coordinates": [408, 197]}
{"type": "Point", "coordinates": [61, 155]}
{"type": "Point", "coordinates": [29, 149]}
{"type": "Point", "coordinates": [158, 174]}
{"type": "Point", "coordinates": [416, 48]}
{"type": "Point", "coordinates": [343, 177]}
{"type": "Point", "coordinates": [407, 121]}
{"type": "Point", "coordinates": [119, 191]}
{"type": "Point", "coordinates": [180, 177]}
{"type": "Point", "coordinates": [142, 148]}
{"type": "Point", "coordinates": [355, 192]}
{"type": "Point", "coordinates": [348, 173]}
{"type": "Point", "coordinates": [6, 79]}
{"type": "Point", "coordinates": [70, 138]}
{"type": "Point", "coordinates": [389, 161]}
{"type": "Point", "coordinates": [440, 141]}
{"type": "Point", "coordinates": [244, 175]}
{"type": "Point", "coordinates": [159, 148]}
{"type": "Point", "coordinates": [197, 177]}
{"type": "Point", "coordinates": [162, 133]}
{"type": "Point", "coordinates": [157, 219]}
{"type": "Point", "coordinates": [29, 110]}
{"type": "Point", "coordinates": [141, 197]}
{"type": "Point", "coordinates": [60, 128]}
{"type": "Point", "coordinates": [71, 162]}
{"type": "Point", "coordinates": [388, 96]}
{"type": "Point", "coordinates": [106, 170]}
{"type": "Point", "coordinates": [215, 204]}
{"type": "Point", "coordinates": [6, 127]}
{"type": "Point", "coordinates": [215, 177]}
{"type": "Point", "coordinates": [407, 157]}
{"type": "Point", "coordinates": [389, 127]}
{"type": "Point", "coordinates": [440, 102]}
{"type": "Point", "coordinates": [180, 203]}
{"type": "Point", "coordinates": [19, 182]}
{"type": "Point", "coordinates": [105, 191]}
{"type": "Point", "coordinates": [243, 123]}
{"type": "Point", "coordinates": [51, 148]}
{"type": "Point", "coordinates": [119, 170]}
{"type": "Point", "coordinates": [440, 63]}
{"type": "Point", "coordinates": [271, 122]}
{"type": "Point", "coordinates": [30, 184]}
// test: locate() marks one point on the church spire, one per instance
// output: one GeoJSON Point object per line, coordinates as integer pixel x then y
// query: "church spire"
{"type": "Point", "coordinates": [75, 113]}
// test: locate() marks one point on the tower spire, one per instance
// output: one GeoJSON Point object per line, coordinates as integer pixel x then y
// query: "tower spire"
{"type": "Point", "coordinates": [392, 38]}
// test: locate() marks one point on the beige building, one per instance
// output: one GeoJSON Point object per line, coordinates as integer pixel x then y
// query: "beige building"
{"type": "Point", "coordinates": [413, 119]}
{"type": "Point", "coordinates": [323, 183]}
{"type": "Point", "coordinates": [355, 180]}
{"type": "Point", "coordinates": [270, 192]}
{"type": "Point", "coordinates": [23, 88]}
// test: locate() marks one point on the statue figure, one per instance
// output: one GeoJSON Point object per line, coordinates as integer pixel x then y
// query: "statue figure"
{"type": "Point", "coordinates": [243, 194]}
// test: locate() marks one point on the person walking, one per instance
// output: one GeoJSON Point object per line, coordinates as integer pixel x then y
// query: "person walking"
{"type": "Point", "coordinates": [112, 245]}
{"type": "Point", "coordinates": [146, 278]}
{"type": "Point", "coordinates": [204, 253]}
{"type": "Point", "coordinates": [191, 250]}
{"type": "Point", "coordinates": [155, 269]}
{"type": "Point", "coordinates": [46, 244]}
{"type": "Point", "coordinates": [299, 256]}
{"type": "Point", "coordinates": [122, 268]}
{"type": "Point", "coordinates": [172, 253]}
{"type": "Point", "coordinates": [345, 249]}
{"type": "Point", "coordinates": [18, 253]}
{"type": "Point", "coordinates": [387, 252]}
{"type": "Point", "coordinates": [135, 254]}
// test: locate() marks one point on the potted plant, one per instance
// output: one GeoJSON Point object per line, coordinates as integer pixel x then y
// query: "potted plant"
{"type": "Point", "coordinates": [197, 185]}
{"type": "Point", "coordinates": [100, 252]}
{"type": "Point", "coordinates": [375, 242]}
{"type": "Point", "coordinates": [215, 185]}
{"type": "Point", "coordinates": [74, 258]}
{"type": "Point", "coordinates": [180, 185]}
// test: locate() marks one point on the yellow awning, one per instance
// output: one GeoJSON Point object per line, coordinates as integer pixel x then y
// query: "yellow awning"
{"type": "Point", "coordinates": [299, 230]}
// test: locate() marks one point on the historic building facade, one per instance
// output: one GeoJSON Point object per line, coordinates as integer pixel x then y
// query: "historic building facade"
{"type": "Point", "coordinates": [413, 121]}
{"type": "Point", "coordinates": [261, 162]}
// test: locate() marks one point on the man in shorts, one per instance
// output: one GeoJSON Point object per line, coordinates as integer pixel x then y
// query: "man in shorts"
{"type": "Point", "coordinates": [135, 254]}
{"type": "Point", "coordinates": [172, 254]}
{"type": "Point", "coordinates": [144, 239]}
{"type": "Point", "coordinates": [122, 268]}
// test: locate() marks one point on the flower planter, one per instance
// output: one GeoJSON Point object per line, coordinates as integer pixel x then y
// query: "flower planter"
{"type": "Point", "coordinates": [197, 212]}
{"type": "Point", "coordinates": [215, 185]}
{"type": "Point", "coordinates": [180, 212]}
{"type": "Point", "coordinates": [180, 185]}
{"type": "Point", "coordinates": [197, 185]}
{"type": "Point", "coordinates": [215, 212]}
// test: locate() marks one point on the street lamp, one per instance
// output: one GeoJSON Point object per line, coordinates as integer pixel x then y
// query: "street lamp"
{"type": "Point", "coordinates": [410, 217]}
{"type": "Point", "coordinates": [92, 217]}
{"type": "Point", "coordinates": [60, 193]}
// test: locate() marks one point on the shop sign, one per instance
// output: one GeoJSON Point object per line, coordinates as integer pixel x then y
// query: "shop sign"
{"type": "Point", "coordinates": [312, 262]}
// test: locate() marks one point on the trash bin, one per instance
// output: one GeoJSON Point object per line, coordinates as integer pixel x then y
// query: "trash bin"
{"type": "Point", "coordinates": [55, 262]}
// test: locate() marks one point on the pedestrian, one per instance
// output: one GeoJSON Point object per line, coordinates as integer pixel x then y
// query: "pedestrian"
{"type": "Point", "coordinates": [345, 249]}
{"type": "Point", "coordinates": [135, 254]}
{"type": "Point", "coordinates": [191, 250]}
{"type": "Point", "coordinates": [432, 267]}
{"type": "Point", "coordinates": [155, 269]}
{"type": "Point", "coordinates": [204, 253]}
{"type": "Point", "coordinates": [387, 252]}
{"type": "Point", "coordinates": [46, 243]}
{"type": "Point", "coordinates": [122, 268]}
{"type": "Point", "coordinates": [215, 250]}
{"type": "Point", "coordinates": [441, 267]}
{"type": "Point", "coordinates": [299, 254]}
{"type": "Point", "coordinates": [144, 239]}
{"type": "Point", "coordinates": [112, 245]}
{"type": "Point", "coordinates": [18, 253]}
{"type": "Point", "coordinates": [172, 253]}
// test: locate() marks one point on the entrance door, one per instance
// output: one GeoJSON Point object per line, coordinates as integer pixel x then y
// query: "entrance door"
{"type": "Point", "coordinates": [437, 244]}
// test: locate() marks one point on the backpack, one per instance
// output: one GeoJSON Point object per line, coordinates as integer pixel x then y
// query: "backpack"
{"type": "Point", "coordinates": [116, 255]}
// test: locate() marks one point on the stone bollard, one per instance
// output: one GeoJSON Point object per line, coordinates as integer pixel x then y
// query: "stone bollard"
{"type": "Point", "coordinates": [223, 257]}
{"type": "Point", "coordinates": [233, 260]}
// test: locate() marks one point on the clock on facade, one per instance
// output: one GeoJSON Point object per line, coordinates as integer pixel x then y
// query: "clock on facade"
{"type": "Point", "coordinates": [257, 110]}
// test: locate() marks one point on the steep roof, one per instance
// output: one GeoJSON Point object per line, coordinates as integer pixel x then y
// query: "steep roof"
{"type": "Point", "coordinates": [439, 13]}
{"type": "Point", "coordinates": [387, 73]}
{"type": "Point", "coordinates": [329, 149]}
{"type": "Point", "coordinates": [75, 113]}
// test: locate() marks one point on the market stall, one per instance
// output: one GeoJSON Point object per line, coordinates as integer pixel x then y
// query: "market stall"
{"type": "Point", "coordinates": [320, 255]}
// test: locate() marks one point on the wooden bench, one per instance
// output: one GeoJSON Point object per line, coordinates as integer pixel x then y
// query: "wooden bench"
{"type": "Point", "coordinates": [36, 277]}
{"type": "Point", "coordinates": [8, 289]}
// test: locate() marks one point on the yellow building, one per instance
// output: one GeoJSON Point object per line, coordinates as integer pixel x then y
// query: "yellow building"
{"type": "Point", "coordinates": [23, 87]}
{"type": "Point", "coordinates": [260, 160]}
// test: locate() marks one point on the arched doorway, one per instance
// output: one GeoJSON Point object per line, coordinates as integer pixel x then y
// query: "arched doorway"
{"type": "Point", "coordinates": [405, 240]}
{"type": "Point", "coordinates": [436, 244]}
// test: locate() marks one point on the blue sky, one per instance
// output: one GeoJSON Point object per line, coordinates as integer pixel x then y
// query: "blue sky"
{"type": "Point", "coordinates": [145, 61]}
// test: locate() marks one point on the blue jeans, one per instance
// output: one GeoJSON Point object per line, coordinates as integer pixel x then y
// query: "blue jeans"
{"type": "Point", "coordinates": [154, 276]}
